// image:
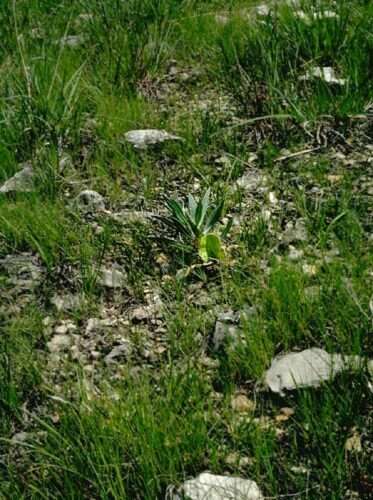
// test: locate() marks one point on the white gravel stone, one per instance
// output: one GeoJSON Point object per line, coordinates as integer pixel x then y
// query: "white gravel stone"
{"type": "Point", "coordinates": [308, 368]}
{"type": "Point", "coordinates": [212, 487]}
{"type": "Point", "coordinates": [22, 181]}
{"type": "Point", "coordinates": [147, 137]}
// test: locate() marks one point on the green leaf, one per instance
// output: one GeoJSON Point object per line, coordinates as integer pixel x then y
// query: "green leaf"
{"type": "Point", "coordinates": [214, 217]}
{"type": "Point", "coordinates": [192, 207]}
{"type": "Point", "coordinates": [181, 220]}
{"type": "Point", "coordinates": [202, 208]}
{"type": "Point", "coordinates": [210, 247]}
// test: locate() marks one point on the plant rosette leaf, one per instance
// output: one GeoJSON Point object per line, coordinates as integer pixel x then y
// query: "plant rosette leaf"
{"type": "Point", "coordinates": [210, 247]}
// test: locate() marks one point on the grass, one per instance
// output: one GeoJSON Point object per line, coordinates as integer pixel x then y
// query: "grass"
{"type": "Point", "coordinates": [229, 83]}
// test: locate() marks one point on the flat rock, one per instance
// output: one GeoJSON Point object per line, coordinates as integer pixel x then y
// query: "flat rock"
{"type": "Point", "coordinates": [213, 487]}
{"type": "Point", "coordinates": [308, 368]}
{"type": "Point", "coordinates": [325, 73]}
{"type": "Point", "coordinates": [21, 182]}
{"type": "Point", "coordinates": [90, 201]}
{"type": "Point", "coordinates": [309, 18]}
{"type": "Point", "coordinates": [262, 10]}
{"type": "Point", "coordinates": [147, 137]}
{"type": "Point", "coordinates": [294, 231]}
{"type": "Point", "coordinates": [132, 216]}
{"type": "Point", "coordinates": [251, 181]}
{"type": "Point", "coordinates": [24, 271]}
{"type": "Point", "coordinates": [60, 342]}
{"type": "Point", "coordinates": [67, 302]}
{"type": "Point", "coordinates": [72, 41]}
{"type": "Point", "coordinates": [118, 352]}
{"type": "Point", "coordinates": [112, 278]}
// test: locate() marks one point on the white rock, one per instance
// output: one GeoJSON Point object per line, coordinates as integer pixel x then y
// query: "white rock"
{"type": "Point", "coordinates": [295, 232]}
{"type": "Point", "coordinates": [67, 302]}
{"type": "Point", "coordinates": [112, 278]}
{"type": "Point", "coordinates": [262, 10]}
{"type": "Point", "coordinates": [120, 351]}
{"type": "Point", "coordinates": [222, 19]}
{"type": "Point", "coordinates": [212, 487]}
{"type": "Point", "coordinates": [90, 201]}
{"type": "Point", "coordinates": [143, 138]}
{"type": "Point", "coordinates": [22, 181]}
{"type": "Point", "coordinates": [295, 253]}
{"type": "Point", "coordinates": [308, 368]}
{"type": "Point", "coordinates": [315, 16]}
{"type": "Point", "coordinates": [325, 73]}
{"type": "Point", "coordinates": [71, 41]}
{"type": "Point", "coordinates": [251, 181]}
{"type": "Point", "coordinates": [59, 343]}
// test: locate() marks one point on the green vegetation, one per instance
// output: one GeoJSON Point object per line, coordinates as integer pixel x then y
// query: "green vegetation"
{"type": "Point", "coordinates": [114, 388]}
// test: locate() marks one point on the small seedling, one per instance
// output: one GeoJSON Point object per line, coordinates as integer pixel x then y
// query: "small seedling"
{"type": "Point", "coordinates": [196, 223]}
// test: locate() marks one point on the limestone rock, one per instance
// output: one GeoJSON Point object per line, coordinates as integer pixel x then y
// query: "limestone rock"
{"type": "Point", "coordinates": [325, 73]}
{"type": "Point", "coordinates": [213, 487]}
{"type": "Point", "coordinates": [59, 342]}
{"type": "Point", "coordinates": [72, 41]}
{"type": "Point", "coordinates": [294, 231]}
{"type": "Point", "coordinates": [90, 201]}
{"type": "Point", "coordinates": [112, 278]}
{"type": "Point", "coordinates": [24, 271]}
{"type": "Point", "coordinates": [120, 351]}
{"type": "Point", "coordinates": [21, 182]}
{"type": "Point", "coordinates": [308, 368]}
{"type": "Point", "coordinates": [147, 137]}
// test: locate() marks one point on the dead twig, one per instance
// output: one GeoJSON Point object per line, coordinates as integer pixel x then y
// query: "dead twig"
{"type": "Point", "coordinates": [298, 153]}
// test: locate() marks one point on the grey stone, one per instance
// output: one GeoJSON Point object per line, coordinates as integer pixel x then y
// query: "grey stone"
{"type": "Point", "coordinates": [90, 201]}
{"type": "Point", "coordinates": [308, 368]}
{"type": "Point", "coordinates": [262, 10]}
{"type": "Point", "coordinates": [325, 73]}
{"type": "Point", "coordinates": [24, 271]}
{"type": "Point", "coordinates": [132, 216]}
{"type": "Point", "coordinates": [60, 342]}
{"type": "Point", "coordinates": [120, 351]}
{"type": "Point", "coordinates": [141, 139]}
{"type": "Point", "coordinates": [67, 302]}
{"type": "Point", "coordinates": [22, 181]}
{"type": "Point", "coordinates": [251, 181]}
{"type": "Point", "coordinates": [72, 41]}
{"type": "Point", "coordinates": [295, 232]}
{"type": "Point", "coordinates": [112, 278]}
{"type": "Point", "coordinates": [208, 486]}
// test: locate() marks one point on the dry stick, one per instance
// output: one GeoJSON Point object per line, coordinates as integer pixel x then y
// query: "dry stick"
{"type": "Point", "coordinates": [257, 119]}
{"type": "Point", "coordinates": [298, 153]}
{"type": "Point", "coordinates": [292, 495]}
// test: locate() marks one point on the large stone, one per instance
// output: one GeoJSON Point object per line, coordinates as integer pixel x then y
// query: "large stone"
{"type": "Point", "coordinates": [308, 368]}
{"type": "Point", "coordinates": [90, 201]}
{"type": "Point", "coordinates": [23, 270]}
{"type": "Point", "coordinates": [147, 137]}
{"type": "Point", "coordinates": [212, 487]}
{"type": "Point", "coordinates": [112, 278]}
{"type": "Point", "coordinates": [119, 352]}
{"type": "Point", "coordinates": [21, 182]}
{"type": "Point", "coordinates": [325, 73]}
{"type": "Point", "coordinates": [60, 342]}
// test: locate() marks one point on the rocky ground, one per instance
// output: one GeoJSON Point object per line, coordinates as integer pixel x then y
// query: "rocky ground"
{"type": "Point", "coordinates": [132, 368]}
